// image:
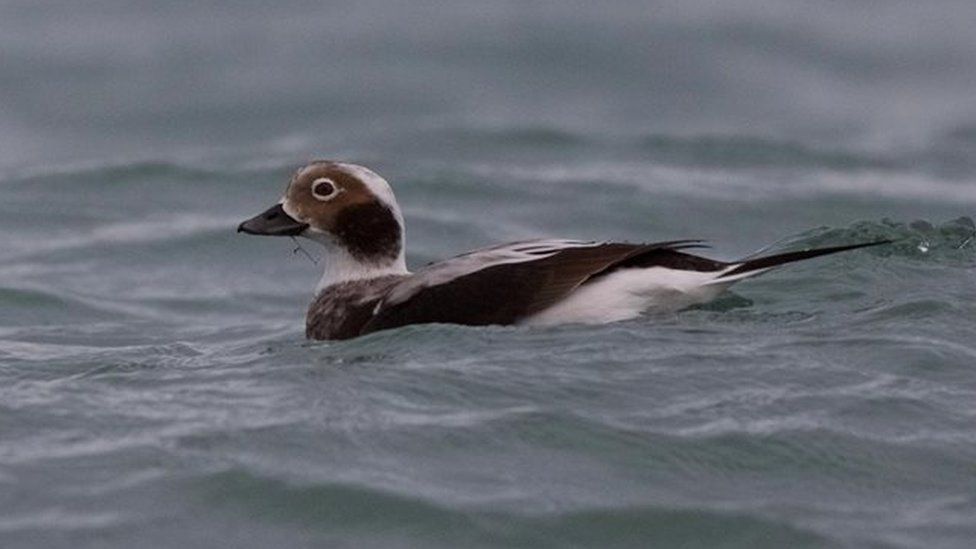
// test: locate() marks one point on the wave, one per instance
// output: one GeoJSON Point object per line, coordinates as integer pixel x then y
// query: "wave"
{"type": "Point", "coordinates": [949, 243]}
{"type": "Point", "coordinates": [360, 513]}
{"type": "Point", "coordinates": [753, 152]}
{"type": "Point", "coordinates": [106, 171]}
{"type": "Point", "coordinates": [944, 155]}
{"type": "Point", "coordinates": [706, 183]}
{"type": "Point", "coordinates": [159, 228]}
{"type": "Point", "coordinates": [233, 169]}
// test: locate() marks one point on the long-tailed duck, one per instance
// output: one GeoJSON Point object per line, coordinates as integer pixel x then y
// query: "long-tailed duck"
{"type": "Point", "coordinates": [366, 286]}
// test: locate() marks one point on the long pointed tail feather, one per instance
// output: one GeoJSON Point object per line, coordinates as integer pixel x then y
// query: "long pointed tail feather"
{"type": "Point", "coordinates": [756, 266]}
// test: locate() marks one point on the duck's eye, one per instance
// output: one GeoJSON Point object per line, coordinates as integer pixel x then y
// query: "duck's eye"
{"type": "Point", "coordinates": [324, 188]}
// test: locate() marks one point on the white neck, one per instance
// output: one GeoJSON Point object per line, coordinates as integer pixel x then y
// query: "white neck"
{"type": "Point", "coordinates": [340, 266]}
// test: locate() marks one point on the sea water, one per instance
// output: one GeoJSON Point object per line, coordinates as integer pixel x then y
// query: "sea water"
{"type": "Point", "coordinates": [156, 389]}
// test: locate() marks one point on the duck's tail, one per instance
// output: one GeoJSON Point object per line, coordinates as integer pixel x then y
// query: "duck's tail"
{"type": "Point", "coordinates": [753, 267]}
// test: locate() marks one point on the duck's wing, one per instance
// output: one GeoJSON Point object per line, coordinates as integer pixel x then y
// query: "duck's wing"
{"type": "Point", "coordinates": [503, 284]}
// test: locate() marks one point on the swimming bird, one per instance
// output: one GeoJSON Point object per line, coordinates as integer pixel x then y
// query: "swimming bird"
{"type": "Point", "coordinates": [365, 287]}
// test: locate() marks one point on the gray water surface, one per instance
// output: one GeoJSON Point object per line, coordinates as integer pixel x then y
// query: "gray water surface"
{"type": "Point", "coordinates": [156, 389]}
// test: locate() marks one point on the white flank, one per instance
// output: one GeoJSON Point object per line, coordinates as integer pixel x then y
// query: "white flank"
{"type": "Point", "coordinates": [627, 293]}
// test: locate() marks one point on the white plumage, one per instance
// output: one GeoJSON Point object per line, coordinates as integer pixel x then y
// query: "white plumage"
{"type": "Point", "coordinates": [627, 293]}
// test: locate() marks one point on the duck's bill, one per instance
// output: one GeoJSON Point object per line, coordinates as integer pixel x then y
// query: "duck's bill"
{"type": "Point", "coordinates": [273, 222]}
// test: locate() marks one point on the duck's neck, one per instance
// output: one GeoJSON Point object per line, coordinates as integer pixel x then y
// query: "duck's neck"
{"type": "Point", "coordinates": [341, 266]}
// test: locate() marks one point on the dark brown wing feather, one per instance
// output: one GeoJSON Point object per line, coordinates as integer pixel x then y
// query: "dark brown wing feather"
{"type": "Point", "coordinates": [508, 292]}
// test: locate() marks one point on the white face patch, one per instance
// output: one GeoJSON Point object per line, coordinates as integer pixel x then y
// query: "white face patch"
{"type": "Point", "coordinates": [376, 185]}
{"type": "Point", "coordinates": [325, 189]}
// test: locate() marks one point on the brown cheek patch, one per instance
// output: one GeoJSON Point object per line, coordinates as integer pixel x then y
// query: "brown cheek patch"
{"type": "Point", "coordinates": [369, 231]}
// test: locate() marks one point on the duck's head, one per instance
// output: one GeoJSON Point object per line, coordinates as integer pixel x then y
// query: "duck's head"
{"type": "Point", "coordinates": [345, 207]}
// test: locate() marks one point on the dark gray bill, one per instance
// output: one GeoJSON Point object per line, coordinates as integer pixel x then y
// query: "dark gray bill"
{"type": "Point", "coordinates": [273, 222]}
